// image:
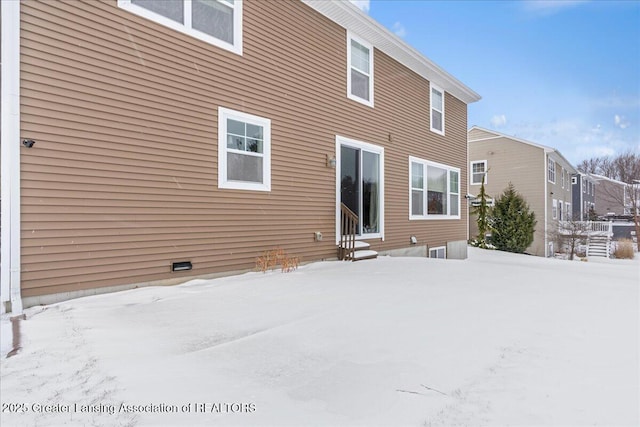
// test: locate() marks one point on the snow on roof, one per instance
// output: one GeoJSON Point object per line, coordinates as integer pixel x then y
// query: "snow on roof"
{"type": "Point", "coordinates": [604, 178]}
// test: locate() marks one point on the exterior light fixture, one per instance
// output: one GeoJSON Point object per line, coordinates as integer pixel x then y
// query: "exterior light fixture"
{"type": "Point", "coordinates": [331, 161]}
{"type": "Point", "coordinates": [28, 143]}
{"type": "Point", "coordinates": [413, 240]}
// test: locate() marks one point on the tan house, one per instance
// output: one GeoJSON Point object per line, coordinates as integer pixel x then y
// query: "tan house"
{"type": "Point", "coordinates": [539, 173]}
{"type": "Point", "coordinates": [147, 142]}
{"type": "Point", "coordinates": [611, 197]}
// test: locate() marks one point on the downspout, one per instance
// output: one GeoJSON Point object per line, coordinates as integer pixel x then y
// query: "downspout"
{"type": "Point", "coordinates": [10, 152]}
{"type": "Point", "coordinates": [545, 158]}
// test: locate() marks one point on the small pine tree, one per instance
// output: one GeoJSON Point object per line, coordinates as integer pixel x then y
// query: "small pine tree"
{"type": "Point", "coordinates": [512, 222]}
{"type": "Point", "coordinates": [482, 211]}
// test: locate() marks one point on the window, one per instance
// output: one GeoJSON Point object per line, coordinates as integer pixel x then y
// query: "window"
{"type": "Point", "coordinates": [584, 186]}
{"type": "Point", "coordinates": [478, 170]}
{"type": "Point", "coordinates": [218, 22]}
{"type": "Point", "coordinates": [439, 252]}
{"type": "Point", "coordinates": [574, 180]}
{"type": "Point", "coordinates": [435, 190]}
{"type": "Point", "coordinates": [568, 178]}
{"type": "Point", "coordinates": [244, 151]}
{"type": "Point", "coordinates": [562, 173]}
{"type": "Point", "coordinates": [554, 209]}
{"type": "Point", "coordinates": [360, 72]}
{"type": "Point", "coordinates": [560, 210]}
{"type": "Point", "coordinates": [551, 164]}
{"type": "Point", "coordinates": [568, 213]}
{"type": "Point", "coordinates": [437, 110]}
{"type": "Point", "coordinates": [361, 184]}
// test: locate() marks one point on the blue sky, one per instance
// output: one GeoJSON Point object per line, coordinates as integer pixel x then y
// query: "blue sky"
{"type": "Point", "coordinates": [560, 73]}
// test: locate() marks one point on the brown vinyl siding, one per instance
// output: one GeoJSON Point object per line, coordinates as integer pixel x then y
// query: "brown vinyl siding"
{"type": "Point", "coordinates": [124, 177]}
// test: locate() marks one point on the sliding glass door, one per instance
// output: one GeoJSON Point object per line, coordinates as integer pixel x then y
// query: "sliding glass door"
{"type": "Point", "coordinates": [361, 185]}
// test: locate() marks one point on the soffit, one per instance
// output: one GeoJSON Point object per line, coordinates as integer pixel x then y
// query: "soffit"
{"type": "Point", "coordinates": [353, 19]}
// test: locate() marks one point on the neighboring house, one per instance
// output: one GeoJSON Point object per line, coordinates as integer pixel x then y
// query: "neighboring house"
{"type": "Point", "coordinates": [611, 197]}
{"type": "Point", "coordinates": [539, 173]}
{"type": "Point", "coordinates": [583, 187]}
{"type": "Point", "coordinates": [183, 139]}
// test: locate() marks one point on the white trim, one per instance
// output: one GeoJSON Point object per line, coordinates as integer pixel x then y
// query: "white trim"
{"type": "Point", "coordinates": [223, 115]}
{"type": "Point", "coordinates": [560, 217]}
{"type": "Point", "coordinates": [10, 152]}
{"type": "Point", "coordinates": [367, 102]}
{"type": "Point", "coordinates": [499, 135]}
{"type": "Point", "coordinates": [426, 215]}
{"type": "Point", "coordinates": [554, 209]}
{"type": "Point", "coordinates": [186, 28]}
{"type": "Point", "coordinates": [551, 161]}
{"type": "Point", "coordinates": [350, 17]}
{"type": "Point", "coordinates": [486, 175]}
{"type": "Point", "coordinates": [341, 140]}
{"type": "Point", "coordinates": [546, 204]}
{"type": "Point", "coordinates": [437, 248]}
{"type": "Point", "coordinates": [433, 87]}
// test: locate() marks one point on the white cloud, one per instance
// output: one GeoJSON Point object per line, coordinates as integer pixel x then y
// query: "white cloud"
{"type": "Point", "coordinates": [499, 120]}
{"type": "Point", "coordinates": [576, 139]}
{"type": "Point", "coordinates": [362, 4]}
{"type": "Point", "coordinates": [621, 121]}
{"type": "Point", "coordinates": [399, 29]}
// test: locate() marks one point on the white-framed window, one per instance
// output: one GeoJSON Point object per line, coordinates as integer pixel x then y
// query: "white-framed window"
{"type": "Point", "coordinates": [559, 210]}
{"type": "Point", "coordinates": [434, 190]}
{"type": "Point", "coordinates": [574, 180]}
{"type": "Point", "coordinates": [551, 170]}
{"type": "Point", "coordinates": [437, 109]}
{"type": "Point", "coordinates": [562, 173]}
{"type": "Point", "coordinates": [554, 209]}
{"type": "Point", "coordinates": [360, 185]}
{"type": "Point", "coordinates": [584, 186]}
{"type": "Point", "coordinates": [359, 70]}
{"type": "Point", "coordinates": [218, 22]}
{"type": "Point", "coordinates": [568, 181]}
{"type": "Point", "coordinates": [568, 213]}
{"type": "Point", "coordinates": [438, 252]}
{"type": "Point", "coordinates": [244, 151]}
{"type": "Point", "coordinates": [478, 170]}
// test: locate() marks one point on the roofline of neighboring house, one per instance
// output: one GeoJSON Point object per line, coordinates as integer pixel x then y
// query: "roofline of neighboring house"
{"type": "Point", "coordinates": [604, 178]}
{"type": "Point", "coordinates": [349, 16]}
{"type": "Point", "coordinates": [546, 148]}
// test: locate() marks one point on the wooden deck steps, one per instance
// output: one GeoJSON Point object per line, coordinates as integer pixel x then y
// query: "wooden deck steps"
{"type": "Point", "coordinates": [361, 251]}
{"type": "Point", "coordinates": [599, 245]}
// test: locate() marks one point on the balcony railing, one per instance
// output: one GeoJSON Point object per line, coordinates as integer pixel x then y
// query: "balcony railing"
{"type": "Point", "coordinates": [586, 228]}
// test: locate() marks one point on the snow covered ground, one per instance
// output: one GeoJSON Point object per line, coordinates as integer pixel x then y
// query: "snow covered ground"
{"type": "Point", "coordinates": [498, 339]}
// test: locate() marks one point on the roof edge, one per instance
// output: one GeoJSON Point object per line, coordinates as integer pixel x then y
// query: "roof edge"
{"type": "Point", "coordinates": [350, 17]}
{"type": "Point", "coordinates": [546, 148]}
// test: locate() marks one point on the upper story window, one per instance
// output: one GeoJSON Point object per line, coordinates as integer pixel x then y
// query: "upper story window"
{"type": "Point", "coordinates": [574, 180]}
{"type": "Point", "coordinates": [218, 22]}
{"type": "Point", "coordinates": [244, 151]}
{"type": "Point", "coordinates": [551, 169]}
{"type": "Point", "coordinates": [360, 72]}
{"type": "Point", "coordinates": [435, 190]}
{"type": "Point", "coordinates": [562, 174]}
{"type": "Point", "coordinates": [478, 170]}
{"type": "Point", "coordinates": [437, 110]}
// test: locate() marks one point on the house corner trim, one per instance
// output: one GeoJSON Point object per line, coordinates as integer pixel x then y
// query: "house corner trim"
{"type": "Point", "coordinates": [10, 151]}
